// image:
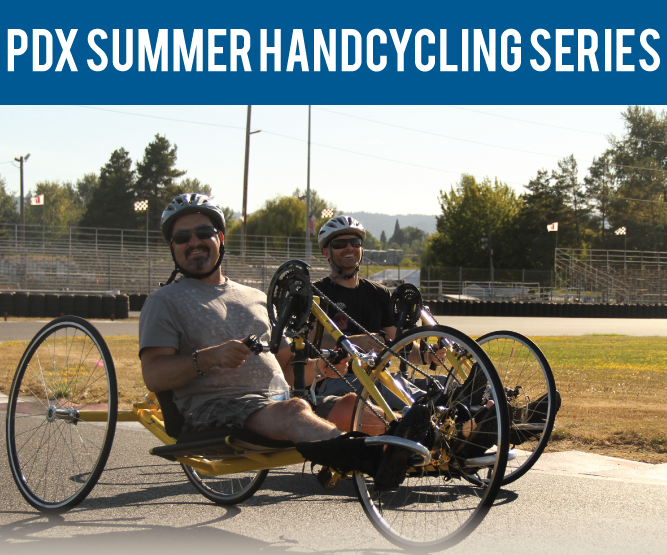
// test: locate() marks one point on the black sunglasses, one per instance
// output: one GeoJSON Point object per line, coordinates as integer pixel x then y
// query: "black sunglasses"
{"type": "Point", "coordinates": [202, 232]}
{"type": "Point", "coordinates": [338, 244]}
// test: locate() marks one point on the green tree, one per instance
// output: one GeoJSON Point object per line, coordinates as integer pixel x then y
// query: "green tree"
{"type": "Point", "coordinates": [61, 205]}
{"type": "Point", "coordinates": [156, 177]}
{"type": "Point", "coordinates": [473, 211]}
{"type": "Point", "coordinates": [282, 216]}
{"type": "Point", "coordinates": [186, 185]}
{"type": "Point", "coordinates": [383, 239]}
{"type": "Point", "coordinates": [601, 186]}
{"type": "Point", "coordinates": [8, 212]}
{"type": "Point", "coordinates": [371, 242]}
{"type": "Point", "coordinates": [640, 169]}
{"type": "Point", "coordinates": [568, 187]}
{"type": "Point", "coordinates": [228, 213]}
{"type": "Point", "coordinates": [398, 237]}
{"type": "Point", "coordinates": [85, 188]}
{"type": "Point", "coordinates": [112, 202]}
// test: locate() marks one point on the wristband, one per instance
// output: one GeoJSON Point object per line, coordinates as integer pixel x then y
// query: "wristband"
{"type": "Point", "coordinates": [194, 359]}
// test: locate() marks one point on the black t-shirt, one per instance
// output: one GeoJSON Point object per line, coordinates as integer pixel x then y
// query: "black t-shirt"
{"type": "Point", "coordinates": [368, 303]}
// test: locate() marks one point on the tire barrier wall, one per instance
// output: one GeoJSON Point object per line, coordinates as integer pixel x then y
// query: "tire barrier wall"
{"type": "Point", "coordinates": [94, 306]}
{"type": "Point", "coordinates": [548, 310]}
{"type": "Point", "coordinates": [52, 305]}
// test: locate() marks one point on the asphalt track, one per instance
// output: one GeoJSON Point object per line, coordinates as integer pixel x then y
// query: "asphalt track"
{"type": "Point", "coordinates": [572, 503]}
{"type": "Point", "coordinates": [472, 325]}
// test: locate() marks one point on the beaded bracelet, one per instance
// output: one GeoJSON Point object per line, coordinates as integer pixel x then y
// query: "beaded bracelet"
{"type": "Point", "coordinates": [194, 359]}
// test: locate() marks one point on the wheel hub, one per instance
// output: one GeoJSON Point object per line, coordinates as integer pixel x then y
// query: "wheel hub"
{"type": "Point", "coordinates": [51, 412]}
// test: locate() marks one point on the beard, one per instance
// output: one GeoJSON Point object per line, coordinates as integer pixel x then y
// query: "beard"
{"type": "Point", "coordinates": [201, 262]}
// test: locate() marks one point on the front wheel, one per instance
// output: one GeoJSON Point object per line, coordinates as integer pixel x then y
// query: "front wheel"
{"type": "Point", "coordinates": [439, 505]}
{"type": "Point", "coordinates": [226, 489]}
{"type": "Point", "coordinates": [531, 394]}
{"type": "Point", "coordinates": [55, 455]}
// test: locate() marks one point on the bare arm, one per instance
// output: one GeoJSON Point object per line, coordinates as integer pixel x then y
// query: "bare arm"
{"type": "Point", "coordinates": [314, 367]}
{"type": "Point", "coordinates": [163, 369]}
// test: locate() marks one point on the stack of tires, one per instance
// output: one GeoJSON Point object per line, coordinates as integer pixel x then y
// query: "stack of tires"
{"type": "Point", "coordinates": [6, 304]}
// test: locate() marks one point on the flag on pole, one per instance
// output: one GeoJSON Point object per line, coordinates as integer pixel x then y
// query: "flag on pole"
{"type": "Point", "coordinates": [621, 231]}
{"type": "Point", "coordinates": [141, 205]}
{"type": "Point", "coordinates": [553, 227]}
{"type": "Point", "coordinates": [37, 201]}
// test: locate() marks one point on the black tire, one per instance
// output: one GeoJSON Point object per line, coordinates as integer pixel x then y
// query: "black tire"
{"type": "Point", "coordinates": [439, 507]}
{"type": "Point", "coordinates": [228, 489]}
{"type": "Point", "coordinates": [56, 458]}
{"type": "Point", "coordinates": [523, 367]}
{"type": "Point", "coordinates": [36, 304]}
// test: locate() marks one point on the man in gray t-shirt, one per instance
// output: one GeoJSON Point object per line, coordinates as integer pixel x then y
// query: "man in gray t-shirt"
{"type": "Point", "coordinates": [190, 340]}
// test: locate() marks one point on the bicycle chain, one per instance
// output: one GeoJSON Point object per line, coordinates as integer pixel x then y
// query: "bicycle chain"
{"type": "Point", "coordinates": [341, 376]}
{"type": "Point", "coordinates": [369, 334]}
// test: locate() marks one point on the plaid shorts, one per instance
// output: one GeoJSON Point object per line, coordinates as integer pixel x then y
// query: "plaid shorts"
{"type": "Point", "coordinates": [218, 413]}
{"type": "Point", "coordinates": [233, 412]}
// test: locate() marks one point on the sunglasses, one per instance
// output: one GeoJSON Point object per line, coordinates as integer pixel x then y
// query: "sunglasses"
{"type": "Point", "coordinates": [202, 232]}
{"type": "Point", "coordinates": [338, 244]}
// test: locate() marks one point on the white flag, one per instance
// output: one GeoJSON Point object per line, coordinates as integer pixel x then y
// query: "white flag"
{"type": "Point", "coordinates": [553, 227]}
{"type": "Point", "coordinates": [37, 201]}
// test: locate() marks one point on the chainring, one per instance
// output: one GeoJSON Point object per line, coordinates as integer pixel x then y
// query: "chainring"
{"type": "Point", "coordinates": [406, 301]}
{"type": "Point", "coordinates": [290, 296]}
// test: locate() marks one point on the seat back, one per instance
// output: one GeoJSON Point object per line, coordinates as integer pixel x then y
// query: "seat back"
{"type": "Point", "coordinates": [173, 419]}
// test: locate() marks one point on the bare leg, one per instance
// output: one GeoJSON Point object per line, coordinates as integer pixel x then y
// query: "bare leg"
{"type": "Point", "coordinates": [341, 416]}
{"type": "Point", "coordinates": [291, 420]}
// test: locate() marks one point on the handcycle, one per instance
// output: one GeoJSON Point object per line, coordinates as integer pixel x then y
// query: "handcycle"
{"type": "Point", "coordinates": [63, 409]}
{"type": "Point", "coordinates": [524, 371]}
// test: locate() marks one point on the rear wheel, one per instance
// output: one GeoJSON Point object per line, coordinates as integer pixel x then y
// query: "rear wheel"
{"type": "Point", "coordinates": [56, 454]}
{"type": "Point", "coordinates": [439, 505]}
{"type": "Point", "coordinates": [227, 489]}
{"type": "Point", "coordinates": [531, 394]}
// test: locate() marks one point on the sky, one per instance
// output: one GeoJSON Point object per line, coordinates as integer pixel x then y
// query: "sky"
{"type": "Point", "coordinates": [382, 159]}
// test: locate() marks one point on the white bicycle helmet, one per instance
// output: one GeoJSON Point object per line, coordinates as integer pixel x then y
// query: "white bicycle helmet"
{"type": "Point", "coordinates": [190, 203]}
{"type": "Point", "coordinates": [340, 225]}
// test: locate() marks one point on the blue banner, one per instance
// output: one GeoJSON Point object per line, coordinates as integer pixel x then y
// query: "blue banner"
{"type": "Point", "coordinates": [345, 52]}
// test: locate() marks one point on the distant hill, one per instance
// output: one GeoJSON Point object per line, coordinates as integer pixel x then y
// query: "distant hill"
{"type": "Point", "coordinates": [376, 223]}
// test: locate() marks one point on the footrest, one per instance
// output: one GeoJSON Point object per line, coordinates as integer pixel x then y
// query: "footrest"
{"type": "Point", "coordinates": [487, 460]}
{"type": "Point", "coordinates": [220, 445]}
{"type": "Point", "coordinates": [417, 448]}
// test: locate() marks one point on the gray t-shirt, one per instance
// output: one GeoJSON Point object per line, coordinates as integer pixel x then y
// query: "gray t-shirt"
{"type": "Point", "coordinates": [190, 314]}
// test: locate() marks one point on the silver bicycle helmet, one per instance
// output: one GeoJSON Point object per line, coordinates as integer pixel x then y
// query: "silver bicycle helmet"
{"type": "Point", "coordinates": [190, 203]}
{"type": "Point", "coordinates": [340, 225]}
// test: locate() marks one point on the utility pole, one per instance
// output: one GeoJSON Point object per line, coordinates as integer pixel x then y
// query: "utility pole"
{"type": "Point", "coordinates": [309, 247]}
{"type": "Point", "coordinates": [244, 215]}
{"type": "Point", "coordinates": [20, 160]}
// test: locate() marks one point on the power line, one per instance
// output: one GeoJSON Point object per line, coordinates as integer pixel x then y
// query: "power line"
{"type": "Point", "coordinates": [481, 143]}
{"type": "Point", "coordinates": [160, 117]}
{"type": "Point", "coordinates": [550, 125]}
{"type": "Point", "coordinates": [357, 152]}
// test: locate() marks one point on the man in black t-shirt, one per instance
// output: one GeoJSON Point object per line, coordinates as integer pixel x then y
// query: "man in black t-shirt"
{"type": "Point", "coordinates": [341, 241]}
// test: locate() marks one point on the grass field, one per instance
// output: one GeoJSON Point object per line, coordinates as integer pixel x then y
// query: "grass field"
{"type": "Point", "coordinates": [613, 388]}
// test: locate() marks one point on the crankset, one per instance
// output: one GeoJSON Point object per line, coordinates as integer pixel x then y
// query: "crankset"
{"type": "Point", "coordinates": [289, 300]}
{"type": "Point", "coordinates": [406, 306]}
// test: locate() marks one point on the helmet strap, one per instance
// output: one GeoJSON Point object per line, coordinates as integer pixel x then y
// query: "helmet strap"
{"type": "Point", "coordinates": [186, 273]}
{"type": "Point", "coordinates": [339, 271]}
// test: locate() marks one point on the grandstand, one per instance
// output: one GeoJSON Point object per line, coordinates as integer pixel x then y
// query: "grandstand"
{"type": "Point", "coordinates": [90, 259]}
